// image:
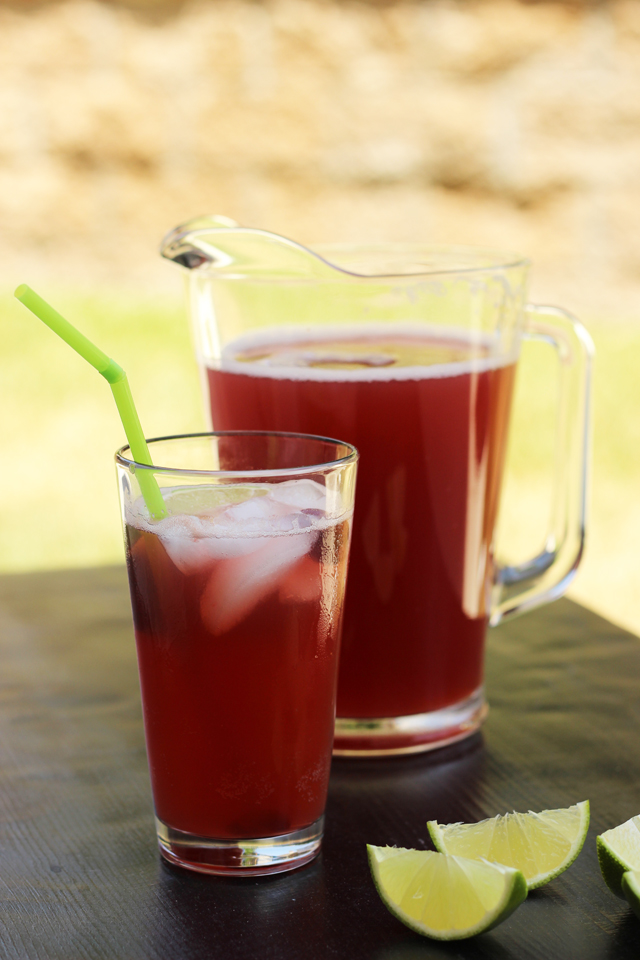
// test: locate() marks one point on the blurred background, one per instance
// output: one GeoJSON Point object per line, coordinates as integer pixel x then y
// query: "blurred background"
{"type": "Point", "coordinates": [490, 122]}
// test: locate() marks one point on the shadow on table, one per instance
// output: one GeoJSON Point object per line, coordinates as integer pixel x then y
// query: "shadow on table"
{"type": "Point", "coordinates": [626, 936]}
{"type": "Point", "coordinates": [392, 798]}
{"type": "Point", "coordinates": [478, 948]}
{"type": "Point", "coordinates": [281, 916]}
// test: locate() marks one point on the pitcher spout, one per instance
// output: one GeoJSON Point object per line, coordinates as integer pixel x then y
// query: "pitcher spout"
{"type": "Point", "coordinates": [184, 244]}
{"type": "Point", "coordinates": [219, 245]}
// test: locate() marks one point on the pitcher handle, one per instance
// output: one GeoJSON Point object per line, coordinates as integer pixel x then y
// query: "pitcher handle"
{"type": "Point", "coordinates": [547, 576]}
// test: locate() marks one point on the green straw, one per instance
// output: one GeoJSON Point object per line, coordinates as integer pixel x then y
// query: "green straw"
{"type": "Point", "coordinates": [117, 378]}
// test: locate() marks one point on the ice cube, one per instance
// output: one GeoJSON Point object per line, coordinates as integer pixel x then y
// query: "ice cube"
{"type": "Point", "coordinates": [239, 529]}
{"type": "Point", "coordinates": [190, 556]}
{"type": "Point", "coordinates": [191, 542]}
{"type": "Point", "coordinates": [302, 583]}
{"type": "Point", "coordinates": [256, 508]}
{"type": "Point", "coordinates": [237, 585]}
{"type": "Point", "coordinates": [264, 515]}
{"type": "Point", "coordinates": [302, 494]}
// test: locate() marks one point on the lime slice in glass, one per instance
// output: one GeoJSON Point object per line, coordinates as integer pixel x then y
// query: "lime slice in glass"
{"type": "Point", "coordinates": [206, 500]}
{"type": "Point", "coordinates": [446, 898]}
{"type": "Point", "coordinates": [619, 851]}
{"type": "Point", "coordinates": [541, 845]}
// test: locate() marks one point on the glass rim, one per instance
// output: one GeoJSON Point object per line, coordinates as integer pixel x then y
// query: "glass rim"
{"type": "Point", "coordinates": [351, 457]}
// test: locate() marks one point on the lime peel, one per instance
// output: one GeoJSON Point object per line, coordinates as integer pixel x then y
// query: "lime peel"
{"type": "Point", "coordinates": [619, 853]}
{"type": "Point", "coordinates": [631, 890]}
{"type": "Point", "coordinates": [541, 845]}
{"type": "Point", "coordinates": [444, 897]}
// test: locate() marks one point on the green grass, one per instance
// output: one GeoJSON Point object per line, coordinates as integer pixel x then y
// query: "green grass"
{"type": "Point", "coordinates": [59, 430]}
{"type": "Point", "coordinates": [609, 577]}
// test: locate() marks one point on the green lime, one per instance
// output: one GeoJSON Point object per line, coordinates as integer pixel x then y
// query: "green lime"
{"type": "Point", "coordinates": [631, 890]}
{"type": "Point", "coordinates": [619, 851]}
{"type": "Point", "coordinates": [541, 845]}
{"type": "Point", "coordinates": [446, 898]}
{"type": "Point", "coordinates": [204, 500]}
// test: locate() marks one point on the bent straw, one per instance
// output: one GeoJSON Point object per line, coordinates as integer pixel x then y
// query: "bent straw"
{"type": "Point", "coordinates": [117, 379]}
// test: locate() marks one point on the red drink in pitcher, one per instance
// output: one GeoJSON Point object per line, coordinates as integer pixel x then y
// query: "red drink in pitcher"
{"type": "Point", "coordinates": [428, 414]}
{"type": "Point", "coordinates": [237, 610]}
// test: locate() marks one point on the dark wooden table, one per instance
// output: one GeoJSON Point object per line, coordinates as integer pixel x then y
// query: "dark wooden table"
{"type": "Point", "coordinates": [80, 876]}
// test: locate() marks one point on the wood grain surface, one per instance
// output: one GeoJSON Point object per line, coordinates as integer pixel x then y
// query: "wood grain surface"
{"type": "Point", "coordinates": [80, 876]}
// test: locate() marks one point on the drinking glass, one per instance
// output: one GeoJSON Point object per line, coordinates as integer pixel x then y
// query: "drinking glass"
{"type": "Point", "coordinates": [409, 352]}
{"type": "Point", "coordinates": [237, 596]}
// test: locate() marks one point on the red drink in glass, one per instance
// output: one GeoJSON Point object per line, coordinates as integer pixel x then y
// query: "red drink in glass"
{"type": "Point", "coordinates": [237, 596]}
{"type": "Point", "coordinates": [428, 415]}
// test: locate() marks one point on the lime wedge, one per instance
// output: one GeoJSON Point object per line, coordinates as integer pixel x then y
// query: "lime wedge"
{"type": "Point", "coordinates": [541, 845]}
{"type": "Point", "coordinates": [631, 890]}
{"type": "Point", "coordinates": [205, 500]}
{"type": "Point", "coordinates": [619, 851]}
{"type": "Point", "coordinates": [442, 897]}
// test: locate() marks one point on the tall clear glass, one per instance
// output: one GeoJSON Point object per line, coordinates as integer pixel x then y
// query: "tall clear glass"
{"type": "Point", "coordinates": [410, 353]}
{"type": "Point", "coordinates": [237, 597]}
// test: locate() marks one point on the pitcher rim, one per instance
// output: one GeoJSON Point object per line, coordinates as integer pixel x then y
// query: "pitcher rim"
{"type": "Point", "coordinates": [480, 260]}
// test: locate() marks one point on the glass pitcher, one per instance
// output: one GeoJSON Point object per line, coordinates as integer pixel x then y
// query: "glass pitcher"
{"type": "Point", "coordinates": [408, 352]}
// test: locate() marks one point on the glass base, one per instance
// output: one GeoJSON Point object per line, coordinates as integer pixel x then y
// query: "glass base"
{"type": "Point", "coordinates": [413, 734]}
{"type": "Point", "coordinates": [240, 858]}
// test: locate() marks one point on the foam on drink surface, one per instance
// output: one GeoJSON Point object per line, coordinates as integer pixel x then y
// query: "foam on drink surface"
{"type": "Point", "coordinates": [247, 544]}
{"type": "Point", "coordinates": [364, 352]}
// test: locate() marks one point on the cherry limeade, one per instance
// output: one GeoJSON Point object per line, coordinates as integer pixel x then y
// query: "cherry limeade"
{"type": "Point", "coordinates": [428, 413]}
{"type": "Point", "coordinates": [237, 618]}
